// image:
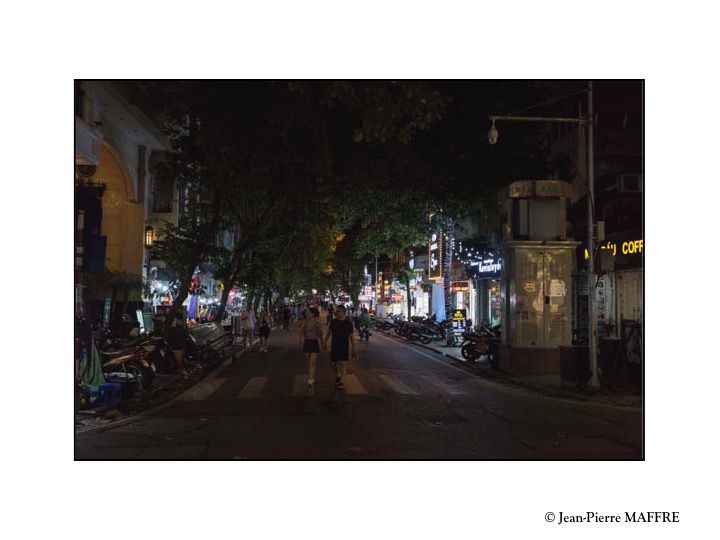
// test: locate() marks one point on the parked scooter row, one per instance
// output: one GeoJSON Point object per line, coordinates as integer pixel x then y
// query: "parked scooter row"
{"type": "Point", "coordinates": [424, 332]}
{"type": "Point", "coordinates": [138, 359]}
{"type": "Point", "coordinates": [477, 342]}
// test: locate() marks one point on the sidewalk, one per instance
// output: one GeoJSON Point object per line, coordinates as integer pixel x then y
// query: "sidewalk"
{"type": "Point", "coordinates": [165, 388]}
{"type": "Point", "coordinates": [550, 385]}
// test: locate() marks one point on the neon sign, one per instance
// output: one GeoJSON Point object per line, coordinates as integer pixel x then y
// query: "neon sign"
{"type": "Point", "coordinates": [631, 247]}
{"type": "Point", "coordinates": [485, 265]}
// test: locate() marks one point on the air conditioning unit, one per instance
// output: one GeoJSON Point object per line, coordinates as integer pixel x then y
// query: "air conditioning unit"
{"type": "Point", "coordinates": [630, 183]}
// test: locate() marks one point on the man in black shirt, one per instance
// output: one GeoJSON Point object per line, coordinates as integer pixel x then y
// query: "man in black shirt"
{"type": "Point", "coordinates": [343, 344]}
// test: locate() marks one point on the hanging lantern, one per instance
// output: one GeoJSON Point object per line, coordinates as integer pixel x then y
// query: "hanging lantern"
{"type": "Point", "coordinates": [148, 236]}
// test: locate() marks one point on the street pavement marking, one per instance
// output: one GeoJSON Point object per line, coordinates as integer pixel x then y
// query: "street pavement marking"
{"type": "Point", "coordinates": [445, 387]}
{"type": "Point", "coordinates": [353, 386]}
{"type": "Point", "coordinates": [300, 386]}
{"type": "Point", "coordinates": [397, 385]}
{"type": "Point", "coordinates": [253, 388]}
{"type": "Point", "coordinates": [202, 390]}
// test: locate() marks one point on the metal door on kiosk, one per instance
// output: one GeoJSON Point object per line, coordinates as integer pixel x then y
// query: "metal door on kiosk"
{"type": "Point", "coordinates": [541, 297]}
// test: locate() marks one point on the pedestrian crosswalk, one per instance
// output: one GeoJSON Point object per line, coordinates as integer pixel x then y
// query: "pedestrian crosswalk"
{"type": "Point", "coordinates": [254, 388]}
{"type": "Point", "coordinates": [365, 384]}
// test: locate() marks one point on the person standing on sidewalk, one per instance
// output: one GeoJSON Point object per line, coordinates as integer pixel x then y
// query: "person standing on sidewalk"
{"type": "Point", "coordinates": [343, 344]}
{"type": "Point", "coordinates": [310, 337]}
{"type": "Point", "coordinates": [176, 336]}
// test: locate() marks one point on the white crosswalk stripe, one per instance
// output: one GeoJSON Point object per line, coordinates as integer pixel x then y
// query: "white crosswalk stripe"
{"type": "Point", "coordinates": [443, 386]}
{"type": "Point", "coordinates": [397, 385]}
{"type": "Point", "coordinates": [254, 388]}
{"type": "Point", "coordinates": [202, 390]}
{"type": "Point", "coordinates": [353, 386]}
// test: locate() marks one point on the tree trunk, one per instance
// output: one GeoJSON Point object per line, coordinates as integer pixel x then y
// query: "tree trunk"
{"type": "Point", "coordinates": [283, 291]}
{"type": "Point", "coordinates": [176, 308]}
{"type": "Point", "coordinates": [450, 235]}
{"type": "Point", "coordinates": [409, 298]}
{"type": "Point", "coordinates": [223, 302]}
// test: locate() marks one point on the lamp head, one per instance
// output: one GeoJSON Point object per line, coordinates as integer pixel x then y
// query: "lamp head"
{"type": "Point", "coordinates": [148, 237]}
{"type": "Point", "coordinates": [492, 134]}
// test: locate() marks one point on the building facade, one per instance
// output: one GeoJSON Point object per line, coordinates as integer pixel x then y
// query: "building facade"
{"type": "Point", "coordinates": [117, 196]}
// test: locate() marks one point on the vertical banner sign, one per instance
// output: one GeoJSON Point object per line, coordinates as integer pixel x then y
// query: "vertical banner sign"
{"type": "Point", "coordinates": [435, 256]}
{"type": "Point", "coordinates": [106, 312]}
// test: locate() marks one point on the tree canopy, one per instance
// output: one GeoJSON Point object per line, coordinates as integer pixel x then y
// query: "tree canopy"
{"type": "Point", "coordinates": [313, 179]}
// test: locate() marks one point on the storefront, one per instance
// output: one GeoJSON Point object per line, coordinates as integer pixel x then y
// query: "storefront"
{"type": "Point", "coordinates": [485, 270]}
{"type": "Point", "coordinates": [619, 290]}
{"type": "Point", "coordinates": [619, 306]}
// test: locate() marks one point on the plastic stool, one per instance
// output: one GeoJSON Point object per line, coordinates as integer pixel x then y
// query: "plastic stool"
{"type": "Point", "coordinates": [110, 394]}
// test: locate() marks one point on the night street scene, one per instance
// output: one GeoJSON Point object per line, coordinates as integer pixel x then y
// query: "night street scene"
{"type": "Point", "coordinates": [358, 269]}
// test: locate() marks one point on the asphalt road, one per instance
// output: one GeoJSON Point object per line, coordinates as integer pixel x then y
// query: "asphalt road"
{"type": "Point", "coordinates": [402, 402]}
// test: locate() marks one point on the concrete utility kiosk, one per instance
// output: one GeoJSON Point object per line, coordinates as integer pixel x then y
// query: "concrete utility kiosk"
{"type": "Point", "coordinates": [536, 286]}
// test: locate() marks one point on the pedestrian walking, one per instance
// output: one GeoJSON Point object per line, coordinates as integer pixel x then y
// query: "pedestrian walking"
{"type": "Point", "coordinates": [246, 328]}
{"type": "Point", "coordinates": [286, 314]}
{"type": "Point", "coordinates": [264, 331]}
{"type": "Point", "coordinates": [364, 325]}
{"type": "Point", "coordinates": [310, 337]}
{"type": "Point", "coordinates": [176, 337]}
{"type": "Point", "coordinates": [329, 314]}
{"type": "Point", "coordinates": [343, 344]}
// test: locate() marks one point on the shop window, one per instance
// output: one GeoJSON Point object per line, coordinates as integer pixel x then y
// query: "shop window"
{"type": "Point", "coordinates": [162, 194]}
{"type": "Point", "coordinates": [79, 99]}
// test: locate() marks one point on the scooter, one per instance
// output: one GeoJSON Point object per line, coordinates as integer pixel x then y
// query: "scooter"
{"type": "Point", "coordinates": [160, 356]}
{"type": "Point", "coordinates": [483, 342]}
{"type": "Point", "coordinates": [129, 364]}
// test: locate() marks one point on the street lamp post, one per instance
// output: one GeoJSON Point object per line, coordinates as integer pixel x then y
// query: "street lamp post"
{"type": "Point", "coordinates": [587, 122]}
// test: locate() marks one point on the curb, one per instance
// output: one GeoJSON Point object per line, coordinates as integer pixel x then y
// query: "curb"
{"type": "Point", "coordinates": [545, 390]}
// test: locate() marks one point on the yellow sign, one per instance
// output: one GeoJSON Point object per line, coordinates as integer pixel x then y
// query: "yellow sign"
{"type": "Point", "coordinates": [635, 246]}
{"type": "Point", "coordinates": [630, 247]}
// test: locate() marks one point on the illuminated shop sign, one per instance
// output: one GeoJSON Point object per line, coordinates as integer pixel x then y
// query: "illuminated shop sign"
{"type": "Point", "coordinates": [631, 247]}
{"type": "Point", "coordinates": [435, 256]}
{"type": "Point", "coordinates": [484, 265]}
{"type": "Point", "coordinates": [460, 286]}
{"type": "Point", "coordinates": [459, 316]}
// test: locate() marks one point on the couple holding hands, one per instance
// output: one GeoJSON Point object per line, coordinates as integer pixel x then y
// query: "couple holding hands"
{"type": "Point", "coordinates": [342, 346]}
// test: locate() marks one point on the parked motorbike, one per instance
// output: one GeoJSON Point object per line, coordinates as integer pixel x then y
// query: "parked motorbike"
{"type": "Point", "coordinates": [160, 356]}
{"type": "Point", "coordinates": [484, 341]}
{"type": "Point", "coordinates": [401, 328]}
{"type": "Point", "coordinates": [131, 362]}
{"type": "Point", "coordinates": [448, 333]}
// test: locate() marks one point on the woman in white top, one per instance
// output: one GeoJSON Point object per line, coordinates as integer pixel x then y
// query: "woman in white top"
{"type": "Point", "coordinates": [310, 337]}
